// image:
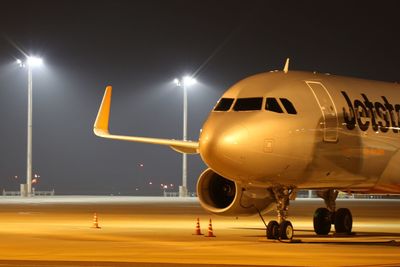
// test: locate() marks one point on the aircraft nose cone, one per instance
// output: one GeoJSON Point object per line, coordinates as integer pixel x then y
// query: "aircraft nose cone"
{"type": "Point", "coordinates": [222, 148]}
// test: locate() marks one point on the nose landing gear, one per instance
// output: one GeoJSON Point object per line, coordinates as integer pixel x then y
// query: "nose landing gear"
{"type": "Point", "coordinates": [281, 229]}
{"type": "Point", "coordinates": [325, 217]}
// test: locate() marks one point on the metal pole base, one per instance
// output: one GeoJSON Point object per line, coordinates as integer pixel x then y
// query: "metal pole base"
{"type": "Point", "coordinates": [24, 190]}
{"type": "Point", "coordinates": [183, 192]}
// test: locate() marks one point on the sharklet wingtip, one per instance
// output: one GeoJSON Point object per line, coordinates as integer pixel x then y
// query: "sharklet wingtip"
{"type": "Point", "coordinates": [102, 119]}
{"type": "Point", "coordinates": [286, 67]}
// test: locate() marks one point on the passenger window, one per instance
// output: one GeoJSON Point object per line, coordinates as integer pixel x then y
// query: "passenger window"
{"type": "Point", "coordinates": [224, 104]}
{"type": "Point", "coordinates": [288, 106]}
{"type": "Point", "coordinates": [247, 104]}
{"type": "Point", "coordinates": [273, 105]}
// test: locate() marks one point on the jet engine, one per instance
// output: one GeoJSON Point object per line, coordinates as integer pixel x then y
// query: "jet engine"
{"type": "Point", "coordinates": [223, 196]}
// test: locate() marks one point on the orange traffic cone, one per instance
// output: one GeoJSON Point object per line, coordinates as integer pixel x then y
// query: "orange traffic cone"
{"type": "Point", "coordinates": [198, 231]}
{"type": "Point", "coordinates": [210, 230]}
{"type": "Point", "coordinates": [96, 221]}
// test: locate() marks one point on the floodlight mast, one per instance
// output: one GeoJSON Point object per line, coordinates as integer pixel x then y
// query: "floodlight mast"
{"type": "Point", "coordinates": [30, 63]}
{"type": "Point", "coordinates": [184, 83]}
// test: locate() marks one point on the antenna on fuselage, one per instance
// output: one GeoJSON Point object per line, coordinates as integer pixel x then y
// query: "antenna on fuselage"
{"type": "Point", "coordinates": [286, 68]}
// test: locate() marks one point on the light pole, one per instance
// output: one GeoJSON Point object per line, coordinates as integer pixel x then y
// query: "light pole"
{"type": "Point", "coordinates": [184, 83]}
{"type": "Point", "coordinates": [30, 63]}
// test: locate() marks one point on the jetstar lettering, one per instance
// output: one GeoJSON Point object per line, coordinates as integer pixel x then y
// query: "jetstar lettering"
{"type": "Point", "coordinates": [380, 116]}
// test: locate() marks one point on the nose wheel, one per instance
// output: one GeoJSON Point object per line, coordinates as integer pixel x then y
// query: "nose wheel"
{"type": "Point", "coordinates": [283, 230]}
{"type": "Point", "coordinates": [273, 230]}
{"type": "Point", "coordinates": [286, 230]}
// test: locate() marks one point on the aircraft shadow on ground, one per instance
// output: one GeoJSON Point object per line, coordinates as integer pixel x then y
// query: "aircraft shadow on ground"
{"type": "Point", "coordinates": [355, 238]}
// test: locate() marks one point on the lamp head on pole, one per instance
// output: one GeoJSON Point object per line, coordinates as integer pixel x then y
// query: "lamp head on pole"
{"type": "Point", "coordinates": [30, 62]}
{"type": "Point", "coordinates": [34, 61]}
{"type": "Point", "coordinates": [185, 81]}
{"type": "Point", "coordinates": [188, 81]}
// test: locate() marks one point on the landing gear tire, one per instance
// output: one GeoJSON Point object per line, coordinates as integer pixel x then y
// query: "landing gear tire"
{"type": "Point", "coordinates": [273, 230]}
{"type": "Point", "coordinates": [322, 221]}
{"type": "Point", "coordinates": [286, 230]}
{"type": "Point", "coordinates": [282, 231]}
{"type": "Point", "coordinates": [343, 221]}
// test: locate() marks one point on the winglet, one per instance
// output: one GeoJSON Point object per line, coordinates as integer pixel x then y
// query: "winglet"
{"type": "Point", "coordinates": [101, 124]}
{"type": "Point", "coordinates": [286, 68]}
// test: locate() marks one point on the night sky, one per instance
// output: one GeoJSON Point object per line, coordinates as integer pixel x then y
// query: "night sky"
{"type": "Point", "coordinates": [139, 47]}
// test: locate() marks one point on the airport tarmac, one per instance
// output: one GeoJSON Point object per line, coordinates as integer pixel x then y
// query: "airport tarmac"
{"type": "Point", "coordinates": [146, 231]}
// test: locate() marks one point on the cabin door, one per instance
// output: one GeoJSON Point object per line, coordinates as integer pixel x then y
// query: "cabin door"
{"type": "Point", "coordinates": [329, 113]}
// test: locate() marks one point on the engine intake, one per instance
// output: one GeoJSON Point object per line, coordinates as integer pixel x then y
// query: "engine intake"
{"type": "Point", "coordinates": [222, 196]}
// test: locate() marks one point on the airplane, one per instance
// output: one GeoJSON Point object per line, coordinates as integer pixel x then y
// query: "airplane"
{"type": "Point", "coordinates": [275, 133]}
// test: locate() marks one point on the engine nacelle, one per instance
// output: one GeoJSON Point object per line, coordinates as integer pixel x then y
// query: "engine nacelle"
{"type": "Point", "coordinates": [226, 197]}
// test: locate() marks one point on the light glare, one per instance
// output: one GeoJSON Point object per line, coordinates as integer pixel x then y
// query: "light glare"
{"type": "Point", "coordinates": [34, 61]}
{"type": "Point", "coordinates": [187, 81]}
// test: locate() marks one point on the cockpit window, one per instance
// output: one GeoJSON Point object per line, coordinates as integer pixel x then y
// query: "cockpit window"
{"type": "Point", "coordinates": [224, 104]}
{"type": "Point", "coordinates": [247, 104]}
{"type": "Point", "coordinates": [273, 105]}
{"type": "Point", "coordinates": [288, 106]}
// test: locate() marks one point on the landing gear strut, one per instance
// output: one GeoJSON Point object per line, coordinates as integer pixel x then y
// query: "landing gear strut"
{"type": "Point", "coordinates": [281, 229]}
{"type": "Point", "coordinates": [325, 217]}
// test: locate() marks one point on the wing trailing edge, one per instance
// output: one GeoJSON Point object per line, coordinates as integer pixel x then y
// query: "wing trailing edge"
{"type": "Point", "coordinates": [101, 129]}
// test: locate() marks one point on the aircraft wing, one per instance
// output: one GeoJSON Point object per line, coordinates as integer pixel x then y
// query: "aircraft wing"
{"type": "Point", "coordinates": [100, 128]}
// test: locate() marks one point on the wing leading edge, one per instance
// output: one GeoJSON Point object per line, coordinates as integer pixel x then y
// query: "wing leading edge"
{"type": "Point", "coordinates": [100, 128]}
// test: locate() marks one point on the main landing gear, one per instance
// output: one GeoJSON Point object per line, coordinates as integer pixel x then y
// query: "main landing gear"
{"type": "Point", "coordinates": [281, 229]}
{"type": "Point", "coordinates": [325, 217]}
